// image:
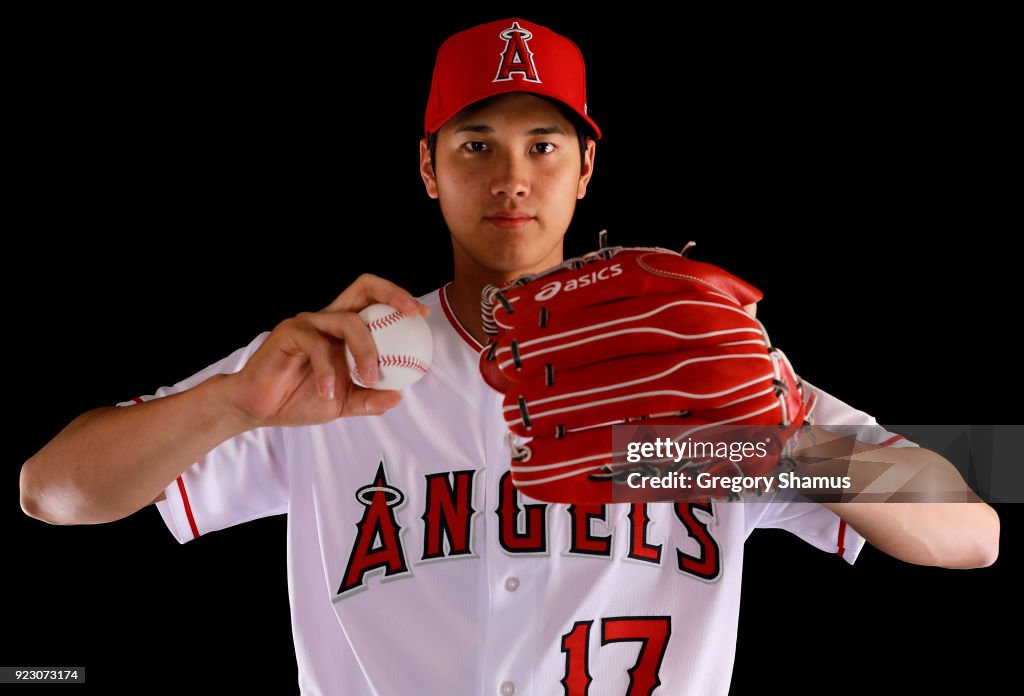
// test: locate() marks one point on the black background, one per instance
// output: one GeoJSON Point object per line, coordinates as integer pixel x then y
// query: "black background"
{"type": "Point", "coordinates": [186, 181]}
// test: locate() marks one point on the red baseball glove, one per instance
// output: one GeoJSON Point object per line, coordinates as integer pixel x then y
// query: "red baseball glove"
{"type": "Point", "coordinates": [591, 353]}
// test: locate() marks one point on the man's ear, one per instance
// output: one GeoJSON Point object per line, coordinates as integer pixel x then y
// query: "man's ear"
{"type": "Point", "coordinates": [427, 169]}
{"type": "Point", "coordinates": [587, 169]}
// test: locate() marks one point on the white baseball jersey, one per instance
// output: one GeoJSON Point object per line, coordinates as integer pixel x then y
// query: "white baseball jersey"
{"type": "Point", "coordinates": [415, 567]}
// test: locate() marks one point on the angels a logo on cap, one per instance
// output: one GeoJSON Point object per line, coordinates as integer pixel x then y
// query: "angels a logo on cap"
{"type": "Point", "coordinates": [517, 57]}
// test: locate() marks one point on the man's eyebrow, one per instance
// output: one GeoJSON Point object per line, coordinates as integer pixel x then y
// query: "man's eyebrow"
{"type": "Point", "coordinates": [474, 128]}
{"type": "Point", "coordinates": [481, 128]}
{"type": "Point", "coordinates": [547, 130]}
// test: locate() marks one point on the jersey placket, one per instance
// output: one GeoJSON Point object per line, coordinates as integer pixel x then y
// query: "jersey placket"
{"type": "Point", "coordinates": [510, 595]}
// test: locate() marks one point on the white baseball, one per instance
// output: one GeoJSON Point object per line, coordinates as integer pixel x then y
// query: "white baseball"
{"type": "Point", "coordinates": [404, 347]}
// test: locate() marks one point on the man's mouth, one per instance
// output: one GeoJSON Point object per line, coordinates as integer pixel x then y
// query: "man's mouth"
{"type": "Point", "coordinates": [509, 220]}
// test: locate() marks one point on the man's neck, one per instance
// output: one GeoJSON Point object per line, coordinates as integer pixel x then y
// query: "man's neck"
{"type": "Point", "coordinates": [464, 297]}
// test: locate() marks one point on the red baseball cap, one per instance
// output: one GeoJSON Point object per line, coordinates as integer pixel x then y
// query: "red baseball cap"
{"type": "Point", "coordinates": [511, 55]}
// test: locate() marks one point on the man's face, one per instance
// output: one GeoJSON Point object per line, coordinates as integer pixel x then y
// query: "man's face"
{"type": "Point", "coordinates": [508, 175]}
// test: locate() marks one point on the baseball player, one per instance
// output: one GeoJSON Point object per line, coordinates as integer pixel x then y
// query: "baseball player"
{"type": "Point", "coordinates": [405, 500]}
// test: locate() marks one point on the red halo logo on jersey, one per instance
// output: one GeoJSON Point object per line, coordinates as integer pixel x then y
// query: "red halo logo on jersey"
{"type": "Point", "coordinates": [517, 58]}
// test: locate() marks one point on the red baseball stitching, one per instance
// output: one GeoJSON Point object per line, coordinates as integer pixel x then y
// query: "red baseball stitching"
{"type": "Point", "coordinates": [403, 361]}
{"type": "Point", "coordinates": [385, 321]}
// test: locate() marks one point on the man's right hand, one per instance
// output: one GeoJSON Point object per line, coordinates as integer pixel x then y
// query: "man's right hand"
{"type": "Point", "coordinates": [298, 376]}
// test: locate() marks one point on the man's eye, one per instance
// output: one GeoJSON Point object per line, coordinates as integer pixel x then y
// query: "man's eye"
{"type": "Point", "coordinates": [475, 146]}
{"type": "Point", "coordinates": [544, 148]}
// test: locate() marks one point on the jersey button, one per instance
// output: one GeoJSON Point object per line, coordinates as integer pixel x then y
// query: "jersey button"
{"type": "Point", "coordinates": [507, 688]}
{"type": "Point", "coordinates": [511, 584]}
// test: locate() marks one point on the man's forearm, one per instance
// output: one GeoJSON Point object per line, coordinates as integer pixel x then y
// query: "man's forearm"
{"type": "Point", "coordinates": [950, 535]}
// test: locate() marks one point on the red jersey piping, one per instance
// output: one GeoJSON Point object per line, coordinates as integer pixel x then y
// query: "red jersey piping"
{"type": "Point", "coordinates": [188, 509]}
{"type": "Point", "coordinates": [454, 321]}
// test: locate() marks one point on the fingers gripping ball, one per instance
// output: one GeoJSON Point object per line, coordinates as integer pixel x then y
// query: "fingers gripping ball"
{"type": "Point", "coordinates": [404, 344]}
{"type": "Point", "coordinates": [634, 337]}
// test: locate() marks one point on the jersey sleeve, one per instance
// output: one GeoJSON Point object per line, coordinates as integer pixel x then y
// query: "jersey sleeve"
{"type": "Point", "coordinates": [244, 478]}
{"type": "Point", "coordinates": [814, 523]}
{"type": "Point", "coordinates": [838, 417]}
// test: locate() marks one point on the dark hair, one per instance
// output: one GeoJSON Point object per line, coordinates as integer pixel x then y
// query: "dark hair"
{"type": "Point", "coordinates": [583, 130]}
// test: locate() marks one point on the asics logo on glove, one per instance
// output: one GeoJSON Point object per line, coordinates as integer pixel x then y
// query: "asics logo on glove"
{"type": "Point", "coordinates": [554, 287]}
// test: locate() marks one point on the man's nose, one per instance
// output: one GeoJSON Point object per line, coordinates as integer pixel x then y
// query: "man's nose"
{"type": "Point", "coordinates": [511, 178]}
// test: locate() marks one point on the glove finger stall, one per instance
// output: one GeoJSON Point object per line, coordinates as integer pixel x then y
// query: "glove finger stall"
{"type": "Point", "coordinates": [735, 378]}
{"type": "Point", "coordinates": [629, 327]}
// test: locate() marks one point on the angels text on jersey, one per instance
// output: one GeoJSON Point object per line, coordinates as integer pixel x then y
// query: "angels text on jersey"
{"type": "Point", "coordinates": [450, 509]}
